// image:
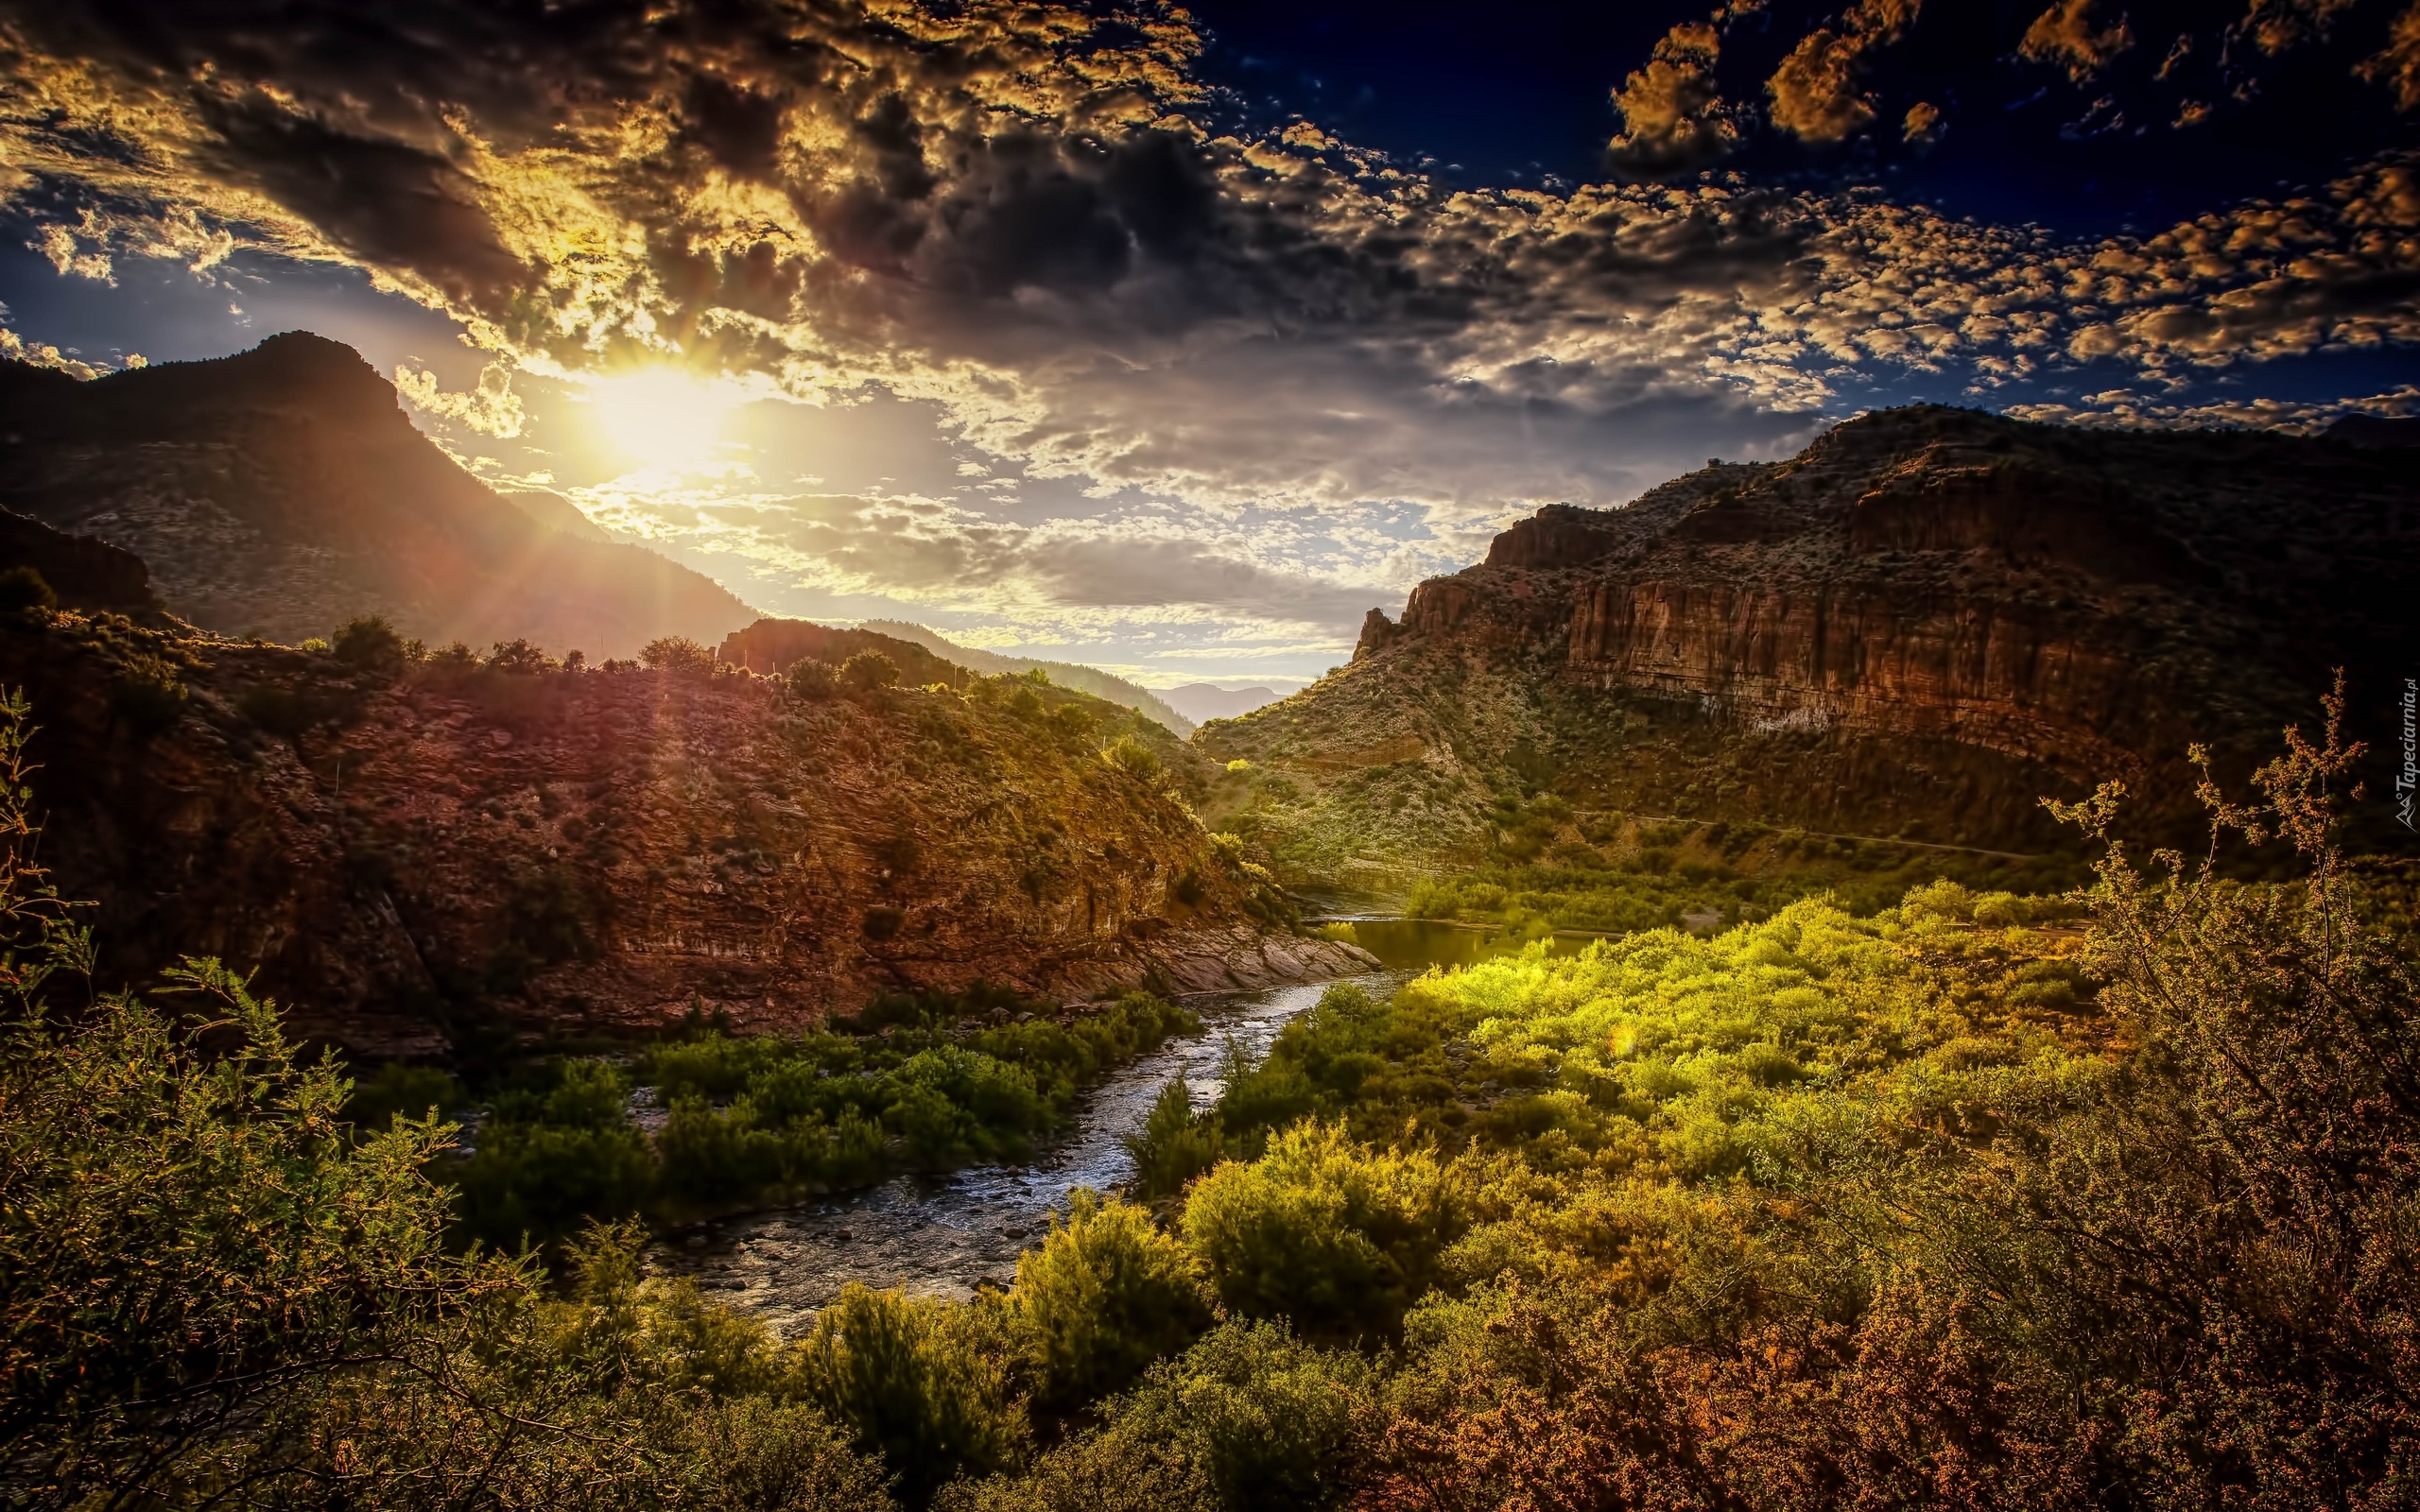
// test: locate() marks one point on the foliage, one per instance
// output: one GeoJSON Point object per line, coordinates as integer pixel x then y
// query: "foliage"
{"type": "Point", "coordinates": [906, 1378]}
{"type": "Point", "coordinates": [678, 655]}
{"type": "Point", "coordinates": [957, 1079]}
{"type": "Point", "coordinates": [369, 644]}
{"type": "Point", "coordinates": [1249, 1418]}
{"type": "Point", "coordinates": [812, 679]}
{"type": "Point", "coordinates": [25, 594]}
{"type": "Point", "coordinates": [147, 695]}
{"type": "Point", "coordinates": [1131, 756]}
{"type": "Point", "coordinates": [1105, 1295]}
{"type": "Point", "coordinates": [1323, 1231]}
{"type": "Point", "coordinates": [869, 672]}
{"type": "Point", "coordinates": [218, 1291]}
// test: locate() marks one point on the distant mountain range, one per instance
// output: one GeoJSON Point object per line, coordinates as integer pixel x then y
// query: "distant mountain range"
{"type": "Point", "coordinates": [1204, 701]}
{"type": "Point", "coordinates": [283, 490]}
{"type": "Point", "coordinates": [1067, 673]}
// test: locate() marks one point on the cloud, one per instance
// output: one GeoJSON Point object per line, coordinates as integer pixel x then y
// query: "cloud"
{"type": "Point", "coordinates": [2066, 35]}
{"type": "Point", "coordinates": [1673, 118]}
{"type": "Point", "coordinates": [1016, 214]}
{"type": "Point", "coordinates": [2398, 65]}
{"type": "Point", "coordinates": [2119, 409]}
{"type": "Point", "coordinates": [1814, 92]}
{"type": "Point", "coordinates": [492, 409]}
{"type": "Point", "coordinates": [2278, 27]}
{"type": "Point", "coordinates": [1074, 575]}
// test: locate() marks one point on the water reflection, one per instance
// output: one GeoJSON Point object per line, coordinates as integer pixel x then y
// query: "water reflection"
{"type": "Point", "coordinates": [1416, 944]}
{"type": "Point", "coordinates": [944, 1236]}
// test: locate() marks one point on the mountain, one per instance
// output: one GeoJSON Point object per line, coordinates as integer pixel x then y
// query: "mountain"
{"type": "Point", "coordinates": [420, 857]}
{"type": "Point", "coordinates": [1916, 628]}
{"type": "Point", "coordinates": [281, 492]}
{"type": "Point", "coordinates": [1204, 701]}
{"type": "Point", "coordinates": [1067, 673]}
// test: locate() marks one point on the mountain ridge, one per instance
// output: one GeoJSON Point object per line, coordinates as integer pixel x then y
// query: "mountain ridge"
{"type": "Point", "coordinates": [1920, 624]}
{"type": "Point", "coordinates": [1075, 675]}
{"type": "Point", "coordinates": [283, 490]}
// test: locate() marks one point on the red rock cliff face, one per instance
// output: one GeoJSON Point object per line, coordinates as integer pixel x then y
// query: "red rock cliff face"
{"type": "Point", "coordinates": [402, 855]}
{"type": "Point", "coordinates": [2061, 606]}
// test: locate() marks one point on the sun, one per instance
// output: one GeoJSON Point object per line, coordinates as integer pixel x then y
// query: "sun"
{"type": "Point", "coordinates": [661, 417]}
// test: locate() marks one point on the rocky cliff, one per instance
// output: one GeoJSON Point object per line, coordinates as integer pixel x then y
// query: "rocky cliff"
{"type": "Point", "coordinates": [281, 492]}
{"type": "Point", "coordinates": [418, 856]}
{"type": "Point", "coordinates": [1918, 625]}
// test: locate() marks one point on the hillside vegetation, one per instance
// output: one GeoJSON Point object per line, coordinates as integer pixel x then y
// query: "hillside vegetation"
{"type": "Point", "coordinates": [1094, 681]}
{"type": "Point", "coordinates": [1911, 631]}
{"type": "Point", "coordinates": [431, 851]}
{"type": "Point", "coordinates": [1954, 1203]}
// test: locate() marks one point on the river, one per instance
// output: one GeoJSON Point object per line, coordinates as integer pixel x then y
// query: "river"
{"type": "Point", "coordinates": [947, 1235]}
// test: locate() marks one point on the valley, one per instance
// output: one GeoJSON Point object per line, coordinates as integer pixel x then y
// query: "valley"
{"type": "Point", "coordinates": [1609, 1005]}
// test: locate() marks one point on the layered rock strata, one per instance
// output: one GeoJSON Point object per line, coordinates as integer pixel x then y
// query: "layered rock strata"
{"type": "Point", "coordinates": [416, 859]}
{"type": "Point", "coordinates": [1930, 617]}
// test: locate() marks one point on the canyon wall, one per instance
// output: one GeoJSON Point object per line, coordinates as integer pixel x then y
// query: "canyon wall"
{"type": "Point", "coordinates": [1922, 624]}
{"type": "Point", "coordinates": [417, 857]}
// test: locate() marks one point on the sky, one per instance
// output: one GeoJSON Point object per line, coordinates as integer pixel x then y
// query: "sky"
{"type": "Point", "coordinates": [1175, 340]}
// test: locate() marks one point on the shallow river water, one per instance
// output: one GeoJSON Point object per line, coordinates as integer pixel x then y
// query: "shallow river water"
{"type": "Point", "coordinates": [946, 1235]}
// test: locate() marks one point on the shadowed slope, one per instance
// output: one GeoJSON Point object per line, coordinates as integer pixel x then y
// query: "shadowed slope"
{"type": "Point", "coordinates": [283, 490]}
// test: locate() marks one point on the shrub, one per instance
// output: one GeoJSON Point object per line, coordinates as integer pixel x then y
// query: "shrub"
{"type": "Point", "coordinates": [369, 644]}
{"type": "Point", "coordinates": [401, 1092]}
{"type": "Point", "coordinates": [1131, 756]}
{"type": "Point", "coordinates": [1323, 1231]}
{"type": "Point", "coordinates": [25, 596]}
{"type": "Point", "coordinates": [520, 659]}
{"type": "Point", "coordinates": [1242, 1422]}
{"type": "Point", "coordinates": [186, 1246]}
{"type": "Point", "coordinates": [678, 655]}
{"type": "Point", "coordinates": [147, 695]}
{"type": "Point", "coordinates": [1174, 1145]}
{"type": "Point", "coordinates": [869, 672]}
{"type": "Point", "coordinates": [278, 710]}
{"type": "Point", "coordinates": [905, 1378]}
{"type": "Point", "coordinates": [1105, 1294]}
{"type": "Point", "coordinates": [538, 1183]}
{"type": "Point", "coordinates": [813, 679]}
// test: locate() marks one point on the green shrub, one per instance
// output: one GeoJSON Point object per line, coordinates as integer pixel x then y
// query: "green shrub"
{"type": "Point", "coordinates": [1325, 1230]}
{"type": "Point", "coordinates": [905, 1377]}
{"type": "Point", "coordinates": [1104, 1295]}
{"type": "Point", "coordinates": [1131, 756]}
{"type": "Point", "coordinates": [1249, 1420]}
{"type": "Point", "coordinates": [869, 672]}
{"type": "Point", "coordinates": [538, 1183]}
{"type": "Point", "coordinates": [401, 1092]}
{"type": "Point", "coordinates": [1174, 1145]}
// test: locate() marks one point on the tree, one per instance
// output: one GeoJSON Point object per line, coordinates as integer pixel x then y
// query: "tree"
{"type": "Point", "coordinates": [678, 655]}
{"type": "Point", "coordinates": [369, 644]}
{"type": "Point", "coordinates": [869, 671]}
